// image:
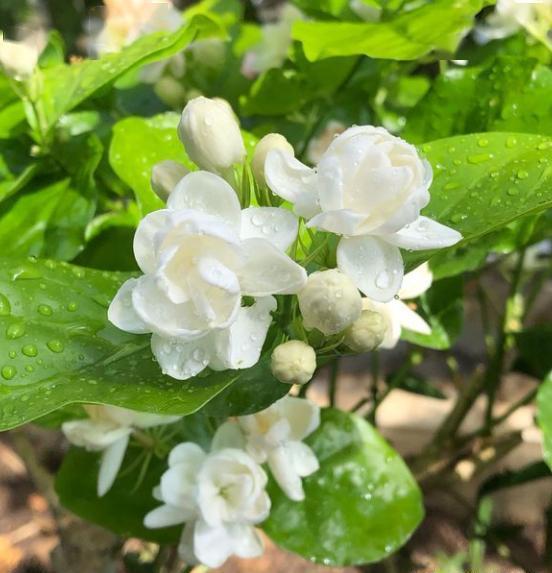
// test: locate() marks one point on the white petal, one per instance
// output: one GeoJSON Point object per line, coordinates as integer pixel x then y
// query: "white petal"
{"type": "Point", "coordinates": [240, 345]}
{"type": "Point", "coordinates": [410, 319]}
{"type": "Point", "coordinates": [269, 271]}
{"type": "Point", "coordinates": [163, 316]}
{"type": "Point", "coordinates": [277, 225]}
{"type": "Point", "coordinates": [424, 233]}
{"type": "Point", "coordinates": [186, 544]}
{"type": "Point", "coordinates": [121, 313]}
{"type": "Point", "coordinates": [303, 458]}
{"type": "Point", "coordinates": [285, 474]}
{"type": "Point", "coordinates": [212, 545]}
{"type": "Point", "coordinates": [164, 516]}
{"type": "Point", "coordinates": [208, 193]}
{"type": "Point", "coordinates": [178, 485]}
{"type": "Point", "coordinates": [416, 282]}
{"type": "Point", "coordinates": [112, 458]}
{"type": "Point", "coordinates": [373, 265]}
{"type": "Point", "coordinates": [293, 181]}
{"type": "Point", "coordinates": [149, 235]}
{"type": "Point", "coordinates": [182, 359]}
{"type": "Point", "coordinates": [303, 416]}
{"type": "Point", "coordinates": [229, 435]}
{"type": "Point", "coordinates": [187, 453]}
{"type": "Point", "coordinates": [248, 543]}
{"type": "Point", "coordinates": [341, 222]}
{"type": "Point", "coordinates": [94, 435]}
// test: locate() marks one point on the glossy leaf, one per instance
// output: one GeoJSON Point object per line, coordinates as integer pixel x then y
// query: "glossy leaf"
{"type": "Point", "coordinates": [360, 506]}
{"type": "Point", "coordinates": [406, 35]}
{"type": "Point", "coordinates": [482, 182]}
{"type": "Point", "coordinates": [57, 348]}
{"type": "Point", "coordinates": [544, 416]}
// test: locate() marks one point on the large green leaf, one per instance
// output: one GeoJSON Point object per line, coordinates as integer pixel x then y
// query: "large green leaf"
{"type": "Point", "coordinates": [58, 348]}
{"type": "Point", "coordinates": [544, 409]}
{"type": "Point", "coordinates": [511, 94]}
{"type": "Point", "coordinates": [482, 182]}
{"type": "Point", "coordinates": [157, 141]}
{"type": "Point", "coordinates": [360, 506]}
{"type": "Point", "coordinates": [60, 88]}
{"type": "Point", "coordinates": [406, 35]}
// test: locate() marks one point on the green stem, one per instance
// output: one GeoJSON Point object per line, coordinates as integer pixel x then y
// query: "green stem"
{"type": "Point", "coordinates": [332, 389]}
{"type": "Point", "coordinates": [376, 401]}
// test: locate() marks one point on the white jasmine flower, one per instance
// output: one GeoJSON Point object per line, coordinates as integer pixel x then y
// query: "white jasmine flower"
{"type": "Point", "coordinates": [19, 59]}
{"type": "Point", "coordinates": [397, 314]}
{"type": "Point", "coordinates": [329, 301]}
{"type": "Point", "coordinates": [220, 496]}
{"type": "Point", "coordinates": [367, 332]}
{"type": "Point", "coordinates": [293, 362]}
{"type": "Point", "coordinates": [211, 134]}
{"type": "Point", "coordinates": [199, 256]}
{"type": "Point", "coordinates": [369, 186]}
{"type": "Point", "coordinates": [165, 176]}
{"type": "Point", "coordinates": [267, 143]}
{"type": "Point", "coordinates": [511, 15]}
{"type": "Point", "coordinates": [367, 10]}
{"type": "Point", "coordinates": [108, 430]}
{"type": "Point", "coordinates": [272, 50]}
{"type": "Point", "coordinates": [275, 436]}
{"type": "Point", "coordinates": [318, 145]}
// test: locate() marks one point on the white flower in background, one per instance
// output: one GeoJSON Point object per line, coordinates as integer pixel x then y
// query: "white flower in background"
{"type": "Point", "coordinates": [19, 59]}
{"type": "Point", "coordinates": [367, 332]}
{"type": "Point", "coordinates": [199, 256]}
{"type": "Point", "coordinates": [275, 436]}
{"type": "Point", "coordinates": [211, 134]}
{"type": "Point", "coordinates": [108, 430]}
{"type": "Point", "coordinates": [165, 176]}
{"type": "Point", "coordinates": [293, 362]}
{"type": "Point", "coordinates": [369, 186]}
{"type": "Point", "coordinates": [318, 145]}
{"type": "Point", "coordinates": [367, 10]}
{"type": "Point", "coordinates": [272, 50]}
{"type": "Point", "coordinates": [220, 496]}
{"type": "Point", "coordinates": [268, 143]}
{"type": "Point", "coordinates": [329, 301]}
{"type": "Point", "coordinates": [511, 15]}
{"type": "Point", "coordinates": [398, 314]}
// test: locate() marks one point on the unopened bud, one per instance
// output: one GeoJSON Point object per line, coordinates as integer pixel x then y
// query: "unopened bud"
{"type": "Point", "coordinates": [367, 332]}
{"type": "Point", "coordinates": [293, 362]}
{"type": "Point", "coordinates": [165, 176]}
{"type": "Point", "coordinates": [18, 59]}
{"type": "Point", "coordinates": [211, 135]}
{"type": "Point", "coordinates": [266, 144]}
{"type": "Point", "coordinates": [329, 302]}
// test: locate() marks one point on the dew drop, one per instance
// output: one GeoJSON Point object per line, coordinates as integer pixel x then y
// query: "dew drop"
{"type": "Point", "coordinates": [511, 141]}
{"type": "Point", "coordinates": [55, 345]}
{"type": "Point", "coordinates": [45, 309]}
{"type": "Point", "coordinates": [383, 280]}
{"type": "Point", "coordinates": [12, 353]}
{"type": "Point", "coordinates": [8, 372]}
{"type": "Point", "coordinates": [72, 307]}
{"type": "Point", "coordinates": [522, 174]}
{"type": "Point", "coordinates": [5, 307]}
{"type": "Point", "coordinates": [15, 330]}
{"type": "Point", "coordinates": [29, 350]}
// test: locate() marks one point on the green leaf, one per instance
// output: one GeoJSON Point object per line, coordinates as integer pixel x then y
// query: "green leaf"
{"type": "Point", "coordinates": [511, 94]}
{"type": "Point", "coordinates": [61, 88]}
{"type": "Point", "coordinates": [544, 416]}
{"type": "Point", "coordinates": [360, 506]}
{"type": "Point", "coordinates": [54, 52]}
{"type": "Point", "coordinates": [58, 348]}
{"type": "Point", "coordinates": [406, 35]}
{"type": "Point", "coordinates": [482, 182]}
{"type": "Point", "coordinates": [123, 508]}
{"type": "Point", "coordinates": [158, 141]}
{"type": "Point", "coordinates": [443, 307]}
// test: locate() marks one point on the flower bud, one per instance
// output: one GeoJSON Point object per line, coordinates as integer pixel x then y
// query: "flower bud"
{"type": "Point", "coordinates": [211, 135]}
{"type": "Point", "coordinates": [165, 176]}
{"type": "Point", "coordinates": [266, 144]}
{"type": "Point", "coordinates": [293, 362]}
{"type": "Point", "coordinates": [329, 302]}
{"type": "Point", "coordinates": [367, 332]}
{"type": "Point", "coordinates": [18, 59]}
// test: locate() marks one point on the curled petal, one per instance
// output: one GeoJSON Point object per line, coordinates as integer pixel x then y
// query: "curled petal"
{"type": "Point", "coordinates": [424, 233]}
{"type": "Point", "coordinates": [409, 319]}
{"type": "Point", "coordinates": [240, 345]}
{"type": "Point", "coordinates": [112, 459]}
{"type": "Point", "coordinates": [284, 473]}
{"type": "Point", "coordinates": [269, 271]}
{"type": "Point", "coordinates": [121, 313]}
{"type": "Point", "coordinates": [186, 453]}
{"type": "Point", "coordinates": [416, 282]}
{"type": "Point", "coordinates": [290, 179]}
{"type": "Point", "coordinates": [149, 235]}
{"type": "Point", "coordinates": [182, 359]}
{"type": "Point", "coordinates": [93, 435]}
{"type": "Point", "coordinates": [229, 435]}
{"type": "Point", "coordinates": [277, 225]}
{"type": "Point", "coordinates": [178, 487]}
{"type": "Point", "coordinates": [341, 222]}
{"type": "Point", "coordinates": [164, 516]}
{"type": "Point", "coordinates": [302, 415]}
{"type": "Point", "coordinates": [374, 266]}
{"type": "Point", "coordinates": [208, 193]}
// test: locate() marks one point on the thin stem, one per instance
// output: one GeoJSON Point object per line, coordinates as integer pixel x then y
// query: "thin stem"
{"type": "Point", "coordinates": [332, 388]}
{"type": "Point", "coordinates": [375, 367]}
